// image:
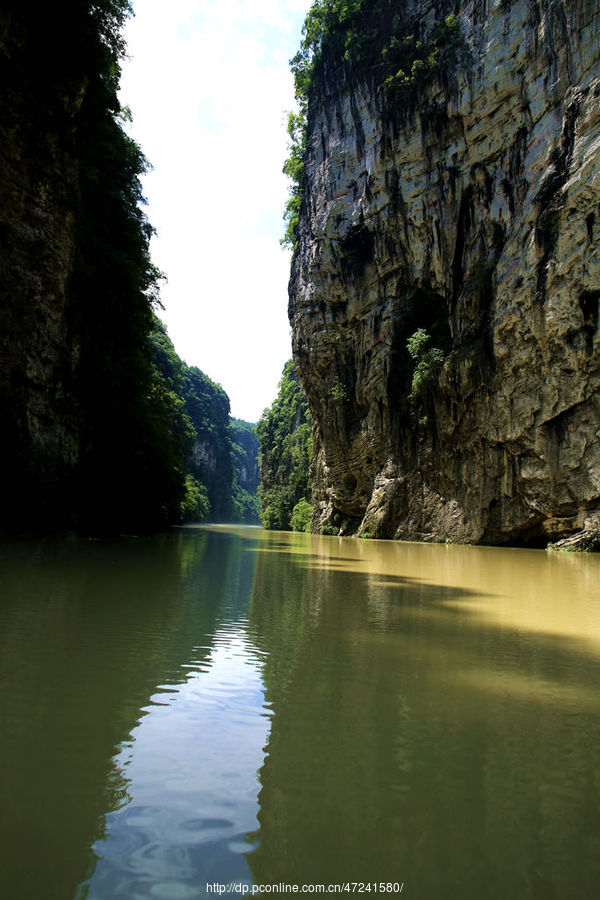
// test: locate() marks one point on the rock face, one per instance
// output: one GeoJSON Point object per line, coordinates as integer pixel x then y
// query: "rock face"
{"type": "Point", "coordinates": [476, 216]}
{"type": "Point", "coordinates": [39, 352]}
{"type": "Point", "coordinates": [90, 438]}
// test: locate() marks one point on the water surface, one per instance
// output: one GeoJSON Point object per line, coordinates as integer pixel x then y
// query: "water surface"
{"type": "Point", "coordinates": [231, 705]}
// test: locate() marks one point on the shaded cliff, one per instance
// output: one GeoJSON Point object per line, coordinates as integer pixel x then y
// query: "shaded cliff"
{"type": "Point", "coordinates": [455, 199]}
{"type": "Point", "coordinates": [89, 441]}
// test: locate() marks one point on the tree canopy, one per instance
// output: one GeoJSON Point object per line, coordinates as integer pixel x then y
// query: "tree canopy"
{"type": "Point", "coordinates": [285, 437]}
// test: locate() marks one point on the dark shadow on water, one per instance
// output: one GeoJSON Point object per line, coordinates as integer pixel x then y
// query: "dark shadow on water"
{"type": "Point", "coordinates": [90, 633]}
{"type": "Point", "coordinates": [411, 739]}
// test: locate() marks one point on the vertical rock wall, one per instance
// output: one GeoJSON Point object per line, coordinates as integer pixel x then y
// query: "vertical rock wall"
{"type": "Point", "coordinates": [38, 202]}
{"type": "Point", "coordinates": [476, 216]}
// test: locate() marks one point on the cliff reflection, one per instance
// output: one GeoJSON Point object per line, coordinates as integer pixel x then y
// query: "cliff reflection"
{"type": "Point", "coordinates": [191, 762]}
{"type": "Point", "coordinates": [417, 714]}
{"type": "Point", "coordinates": [429, 726]}
{"type": "Point", "coordinates": [89, 631]}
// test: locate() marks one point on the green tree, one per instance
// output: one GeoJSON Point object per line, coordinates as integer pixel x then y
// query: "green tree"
{"type": "Point", "coordinates": [132, 436]}
{"type": "Point", "coordinates": [211, 461]}
{"type": "Point", "coordinates": [246, 474]}
{"type": "Point", "coordinates": [428, 363]}
{"type": "Point", "coordinates": [301, 516]}
{"type": "Point", "coordinates": [195, 506]}
{"type": "Point", "coordinates": [285, 437]}
{"type": "Point", "coordinates": [220, 454]}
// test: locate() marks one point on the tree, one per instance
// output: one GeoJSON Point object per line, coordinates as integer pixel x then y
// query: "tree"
{"type": "Point", "coordinates": [285, 436]}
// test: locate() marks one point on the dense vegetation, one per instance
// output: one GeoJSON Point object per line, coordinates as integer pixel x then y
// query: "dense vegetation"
{"type": "Point", "coordinates": [105, 428]}
{"type": "Point", "coordinates": [285, 437]}
{"type": "Point", "coordinates": [246, 473]}
{"type": "Point", "coordinates": [130, 434]}
{"type": "Point", "coordinates": [218, 456]}
{"type": "Point", "coordinates": [103, 452]}
{"type": "Point", "coordinates": [363, 38]}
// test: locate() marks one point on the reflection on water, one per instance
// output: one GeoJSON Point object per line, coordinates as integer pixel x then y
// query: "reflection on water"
{"type": "Point", "coordinates": [435, 723]}
{"type": "Point", "coordinates": [191, 769]}
{"type": "Point", "coordinates": [227, 704]}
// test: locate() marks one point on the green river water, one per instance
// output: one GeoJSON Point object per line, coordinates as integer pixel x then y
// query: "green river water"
{"type": "Point", "coordinates": [223, 706]}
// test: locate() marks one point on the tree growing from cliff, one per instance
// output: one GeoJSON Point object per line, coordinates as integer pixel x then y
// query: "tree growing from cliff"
{"type": "Point", "coordinates": [301, 516]}
{"type": "Point", "coordinates": [428, 363]}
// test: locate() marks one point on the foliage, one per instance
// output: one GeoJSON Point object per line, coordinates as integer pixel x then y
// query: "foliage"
{"type": "Point", "coordinates": [301, 516]}
{"type": "Point", "coordinates": [294, 169]}
{"type": "Point", "coordinates": [363, 36]}
{"type": "Point", "coordinates": [246, 506]}
{"type": "Point", "coordinates": [246, 502]}
{"type": "Point", "coordinates": [133, 434]}
{"type": "Point", "coordinates": [339, 391]}
{"type": "Point", "coordinates": [412, 62]}
{"type": "Point", "coordinates": [220, 454]}
{"type": "Point", "coordinates": [195, 506]}
{"type": "Point", "coordinates": [285, 437]}
{"type": "Point", "coordinates": [207, 406]}
{"type": "Point", "coordinates": [329, 530]}
{"type": "Point", "coordinates": [428, 363]}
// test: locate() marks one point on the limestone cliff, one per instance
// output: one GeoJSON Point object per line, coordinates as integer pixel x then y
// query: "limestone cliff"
{"type": "Point", "coordinates": [473, 213]}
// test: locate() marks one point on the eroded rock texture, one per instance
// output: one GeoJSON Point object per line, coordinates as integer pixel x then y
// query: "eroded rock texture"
{"type": "Point", "coordinates": [476, 216]}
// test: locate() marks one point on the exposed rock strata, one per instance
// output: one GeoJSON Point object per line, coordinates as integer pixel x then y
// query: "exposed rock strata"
{"type": "Point", "coordinates": [477, 217]}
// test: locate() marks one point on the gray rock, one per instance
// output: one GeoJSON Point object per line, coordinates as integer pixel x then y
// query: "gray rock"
{"type": "Point", "coordinates": [477, 217]}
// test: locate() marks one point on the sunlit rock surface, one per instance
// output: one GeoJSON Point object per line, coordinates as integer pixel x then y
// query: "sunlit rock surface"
{"type": "Point", "coordinates": [477, 217]}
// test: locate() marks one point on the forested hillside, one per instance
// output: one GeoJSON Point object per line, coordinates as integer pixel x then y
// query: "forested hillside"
{"type": "Point", "coordinates": [220, 454]}
{"type": "Point", "coordinates": [284, 432]}
{"type": "Point", "coordinates": [89, 439]}
{"type": "Point", "coordinates": [246, 473]}
{"type": "Point", "coordinates": [104, 430]}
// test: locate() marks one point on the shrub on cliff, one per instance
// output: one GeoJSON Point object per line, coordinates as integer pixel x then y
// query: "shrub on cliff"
{"type": "Point", "coordinates": [428, 363]}
{"type": "Point", "coordinates": [195, 506]}
{"type": "Point", "coordinates": [413, 60]}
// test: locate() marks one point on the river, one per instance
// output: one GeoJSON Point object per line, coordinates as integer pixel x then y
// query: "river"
{"type": "Point", "coordinates": [228, 706]}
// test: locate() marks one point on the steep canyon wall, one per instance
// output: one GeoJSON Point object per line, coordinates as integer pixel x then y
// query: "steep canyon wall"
{"type": "Point", "coordinates": [38, 202]}
{"type": "Point", "coordinates": [472, 213]}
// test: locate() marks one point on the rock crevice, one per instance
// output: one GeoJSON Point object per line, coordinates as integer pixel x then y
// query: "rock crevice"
{"type": "Point", "coordinates": [473, 214]}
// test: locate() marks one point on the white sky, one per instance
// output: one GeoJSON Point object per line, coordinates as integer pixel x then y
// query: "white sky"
{"type": "Point", "coordinates": [209, 87]}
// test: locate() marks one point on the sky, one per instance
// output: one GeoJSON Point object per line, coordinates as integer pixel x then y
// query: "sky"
{"type": "Point", "coordinates": [209, 88]}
